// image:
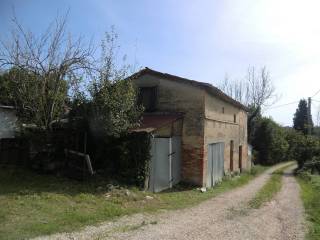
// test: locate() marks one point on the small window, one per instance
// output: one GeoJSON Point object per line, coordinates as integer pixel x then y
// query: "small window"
{"type": "Point", "coordinates": [234, 118]}
{"type": "Point", "coordinates": [148, 98]}
{"type": "Point", "coordinates": [222, 109]}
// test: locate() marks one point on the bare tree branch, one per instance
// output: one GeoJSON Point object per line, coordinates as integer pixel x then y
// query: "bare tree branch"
{"type": "Point", "coordinates": [255, 90]}
{"type": "Point", "coordinates": [42, 67]}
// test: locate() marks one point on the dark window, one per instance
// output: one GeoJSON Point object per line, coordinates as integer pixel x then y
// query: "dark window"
{"type": "Point", "coordinates": [231, 155]}
{"type": "Point", "coordinates": [234, 118]}
{"type": "Point", "coordinates": [222, 109]}
{"type": "Point", "coordinates": [240, 158]}
{"type": "Point", "coordinates": [148, 98]}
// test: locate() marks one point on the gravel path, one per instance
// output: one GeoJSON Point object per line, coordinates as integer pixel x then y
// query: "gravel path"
{"type": "Point", "coordinates": [223, 217]}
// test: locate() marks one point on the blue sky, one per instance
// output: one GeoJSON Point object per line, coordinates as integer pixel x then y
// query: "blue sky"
{"type": "Point", "coordinates": [202, 40]}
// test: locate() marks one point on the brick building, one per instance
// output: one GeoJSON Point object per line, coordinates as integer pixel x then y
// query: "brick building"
{"type": "Point", "coordinates": [205, 128]}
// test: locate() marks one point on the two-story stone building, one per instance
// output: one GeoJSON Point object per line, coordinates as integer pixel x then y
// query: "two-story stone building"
{"type": "Point", "coordinates": [199, 133]}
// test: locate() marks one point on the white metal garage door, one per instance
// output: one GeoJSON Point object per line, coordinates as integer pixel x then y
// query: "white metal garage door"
{"type": "Point", "coordinates": [215, 166]}
{"type": "Point", "coordinates": [165, 167]}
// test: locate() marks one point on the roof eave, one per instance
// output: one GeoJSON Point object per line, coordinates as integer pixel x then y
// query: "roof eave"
{"type": "Point", "coordinates": [208, 87]}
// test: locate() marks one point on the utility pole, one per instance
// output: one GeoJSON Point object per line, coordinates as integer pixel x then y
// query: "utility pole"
{"type": "Point", "coordinates": [309, 116]}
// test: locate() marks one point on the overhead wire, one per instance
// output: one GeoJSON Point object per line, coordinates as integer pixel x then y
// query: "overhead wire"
{"type": "Point", "coordinates": [316, 93]}
{"type": "Point", "coordinates": [287, 104]}
{"type": "Point", "coordinates": [282, 105]}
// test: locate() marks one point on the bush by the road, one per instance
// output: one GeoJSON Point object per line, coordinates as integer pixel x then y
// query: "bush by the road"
{"type": "Point", "coordinates": [270, 142]}
{"type": "Point", "coordinates": [273, 143]}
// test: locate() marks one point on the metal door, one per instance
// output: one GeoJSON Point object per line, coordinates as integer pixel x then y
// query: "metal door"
{"type": "Point", "coordinates": [215, 166]}
{"type": "Point", "coordinates": [159, 177]}
{"type": "Point", "coordinates": [176, 160]}
{"type": "Point", "coordinates": [165, 167]}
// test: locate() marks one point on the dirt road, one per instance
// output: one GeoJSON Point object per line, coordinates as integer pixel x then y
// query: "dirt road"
{"type": "Point", "coordinates": [224, 217]}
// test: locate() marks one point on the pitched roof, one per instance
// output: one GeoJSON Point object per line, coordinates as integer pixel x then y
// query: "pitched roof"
{"type": "Point", "coordinates": [206, 86]}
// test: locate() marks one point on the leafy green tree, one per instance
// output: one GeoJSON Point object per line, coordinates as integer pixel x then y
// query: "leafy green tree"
{"type": "Point", "coordinates": [254, 117]}
{"type": "Point", "coordinates": [302, 148]}
{"type": "Point", "coordinates": [114, 107]}
{"type": "Point", "coordinates": [295, 139]}
{"type": "Point", "coordinates": [316, 131]}
{"type": "Point", "coordinates": [300, 119]}
{"type": "Point", "coordinates": [270, 142]}
{"type": "Point", "coordinates": [41, 69]}
{"type": "Point", "coordinates": [6, 96]}
{"type": "Point", "coordinates": [306, 150]}
{"type": "Point", "coordinates": [23, 89]}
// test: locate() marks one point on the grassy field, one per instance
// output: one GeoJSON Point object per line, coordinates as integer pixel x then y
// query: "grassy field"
{"type": "Point", "coordinates": [270, 189]}
{"type": "Point", "coordinates": [33, 204]}
{"type": "Point", "coordinates": [310, 194]}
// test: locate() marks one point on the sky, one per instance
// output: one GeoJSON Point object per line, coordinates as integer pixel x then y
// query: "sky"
{"type": "Point", "coordinates": [203, 40]}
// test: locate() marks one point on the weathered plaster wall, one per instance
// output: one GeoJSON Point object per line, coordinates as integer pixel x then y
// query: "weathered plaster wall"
{"type": "Point", "coordinates": [8, 121]}
{"type": "Point", "coordinates": [221, 127]}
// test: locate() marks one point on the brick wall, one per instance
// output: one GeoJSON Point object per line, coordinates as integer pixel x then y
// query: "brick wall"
{"type": "Point", "coordinates": [178, 97]}
{"type": "Point", "coordinates": [207, 119]}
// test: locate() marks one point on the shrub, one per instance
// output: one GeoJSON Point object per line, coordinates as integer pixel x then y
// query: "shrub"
{"type": "Point", "coordinates": [270, 142]}
{"type": "Point", "coordinates": [306, 150]}
{"type": "Point", "coordinates": [294, 139]}
{"type": "Point", "coordinates": [124, 158]}
{"type": "Point", "coordinates": [312, 165]}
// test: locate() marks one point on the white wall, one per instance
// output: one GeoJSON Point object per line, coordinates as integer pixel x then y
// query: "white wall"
{"type": "Point", "coordinates": [8, 122]}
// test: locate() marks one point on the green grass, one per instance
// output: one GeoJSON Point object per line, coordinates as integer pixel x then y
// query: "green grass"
{"type": "Point", "coordinates": [33, 204]}
{"type": "Point", "coordinates": [270, 189]}
{"type": "Point", "coordinates": [310, 194]}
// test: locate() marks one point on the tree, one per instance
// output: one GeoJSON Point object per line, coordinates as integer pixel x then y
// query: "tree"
{"type": "Point", "coordinates": [270, 142]}
{"type": "Point", "coordinates": [42, 69]}
{"type": "Point", "coordinates": [256, 91]}
{"type": "Point", "coordinates": [300, 119]}
{"type": "Point", "coordinates": [114, 98]}
{"type": "Point", "coordinates": [6, 86]}
{"type": "Point", "coordinates": [253, 122]}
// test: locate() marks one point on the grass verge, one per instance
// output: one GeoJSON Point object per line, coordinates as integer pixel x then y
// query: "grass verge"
{"type": "Point", "coordinates": [310, 194]}
{"type": "Point", "coordinates": [33, 204]}
{"type": "Point", "coordinates": [270, 189]}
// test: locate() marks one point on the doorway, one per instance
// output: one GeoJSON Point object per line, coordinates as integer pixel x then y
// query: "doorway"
{"type": "Point", "coordinates": [165, 163]}
{"type": "Point", "coordinates": [215, 167]}
{"type": "Point", "coordinates": [231, 155]}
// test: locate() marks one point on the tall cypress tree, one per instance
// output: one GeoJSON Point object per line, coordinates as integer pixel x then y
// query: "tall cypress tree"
{"type": "Point", "coordinates": [300, 119]}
